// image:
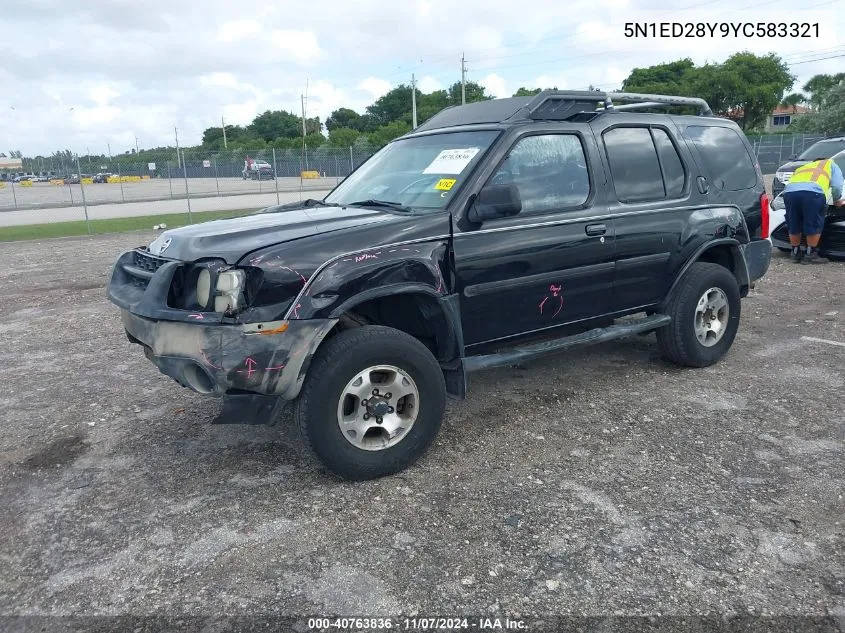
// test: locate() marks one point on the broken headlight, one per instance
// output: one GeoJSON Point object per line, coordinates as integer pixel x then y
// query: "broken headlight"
{"type": "Point", "coordinates": [220, 290]}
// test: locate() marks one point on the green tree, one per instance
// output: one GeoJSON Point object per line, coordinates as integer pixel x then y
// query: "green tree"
{"type": "Point", "coordinates": [759, 82]}
{"type": "Point", "coordinates": [386, 133]}
{"type": "Point", "coordinates": [392, 106]}
{"type": "Point", "coordinates": [344, 118]}
{"type": "Point", "coordinates": [474, 92]}
{"type": "Point", "coordinates": [673, 78]}
{"type": "Point", "coordinates": [819, 86]}
{"type": "Point", "coordinates": [527, 92]}
{"type": "Point", "coordinates": [793, 101]}
{"type": "Point", "coordinates": [829, 119]}
{"type": "Point", "coordinates": [272, 124]}
{"type": "Point", "coordinates": [343, 137]}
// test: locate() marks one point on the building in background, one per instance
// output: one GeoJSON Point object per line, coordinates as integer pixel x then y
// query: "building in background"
{"type": "Point", "coordinates": [783, 117]}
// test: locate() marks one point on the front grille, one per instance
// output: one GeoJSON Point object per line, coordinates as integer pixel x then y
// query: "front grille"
{"type": "Point", "coordinates": [148, 262]}
{"type": "Point", "coordinates": [144, 266]}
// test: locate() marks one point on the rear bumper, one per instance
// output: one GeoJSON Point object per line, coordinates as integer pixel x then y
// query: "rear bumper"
{"type": "Point", "coordinates": [758, 256]}
{"type": "Point", "coordinates": [216, 359]}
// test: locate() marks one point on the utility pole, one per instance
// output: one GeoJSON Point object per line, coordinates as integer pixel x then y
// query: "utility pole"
{"type": "Point", "coordinates": [413, 102]}
{"type": "Point", "coordinates": [108, 145]}
{"type": "Point", "coordinates": [304, 146]}
{"type": "Point", "coordinates": [223, 123]}
{"type": "Point", "coordinates": [178, 159]}
{"type": "Point", "coordinates": [136, 144]}
{"type": "Point", "coordinates": [463, 80]}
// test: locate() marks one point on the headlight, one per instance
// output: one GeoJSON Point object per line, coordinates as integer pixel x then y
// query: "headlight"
{"type": "Point", "coordinates": [229, 286]}
{"type": "Point", "coordinates": [204, 287]}
{"type": "Point", "coordinates": [227, 292]}
{"type": "Point", "coordinates": [779, 175]}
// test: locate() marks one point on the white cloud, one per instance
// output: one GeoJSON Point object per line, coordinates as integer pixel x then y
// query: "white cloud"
{"type": "Point", "coordinates": [173, 65]}
{"type": "Point", "coordinates": [376, 87]}
{"type": "Point", "coordinates": [548, 81]}
{"type": "Point", "coordinates": [103, 93]}
{"type": "Point", "coordinates": [238, 30]}
{"type": "Point", "coordinates": [495, 85]}
{"type": "Point", "coordinates": [300, 45]}
{"type": "Point", "coordinates": [429, 84]}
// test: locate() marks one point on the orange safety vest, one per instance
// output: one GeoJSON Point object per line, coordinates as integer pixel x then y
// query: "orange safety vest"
{"type": "Point", "coordinates": [819, 172]}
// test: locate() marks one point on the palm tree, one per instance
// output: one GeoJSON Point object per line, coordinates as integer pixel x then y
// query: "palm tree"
{"type": "Point", "coordinates": [793, 101]}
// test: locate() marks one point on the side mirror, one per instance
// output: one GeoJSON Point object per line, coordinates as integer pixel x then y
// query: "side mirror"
{"type": "Point", "coordinates": [495, 201]}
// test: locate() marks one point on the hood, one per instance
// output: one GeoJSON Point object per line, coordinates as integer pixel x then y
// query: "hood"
{"type": "Point", "coordinates": [232, 238]}
{"type": "Point", "coordinates": [792, 165]}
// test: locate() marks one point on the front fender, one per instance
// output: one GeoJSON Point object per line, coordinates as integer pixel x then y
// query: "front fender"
{"type": "Point", "coordinates": [346, 280]}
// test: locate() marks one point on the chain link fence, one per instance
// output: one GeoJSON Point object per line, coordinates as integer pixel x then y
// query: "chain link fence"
{"type": "Point", "coordinates": [773, 150]}
{"type": "Point", "coordinates": [171, 175]}
{"type": "Point", "coordinates": [193, 173]}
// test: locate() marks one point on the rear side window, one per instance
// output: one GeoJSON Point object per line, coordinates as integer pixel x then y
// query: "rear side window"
{"type": "Point", "coordinates": [725, 156]}
{"type": "Point", "coordinates": [673, 168]}
{"type": "Point", "coordinates": [643, 167]}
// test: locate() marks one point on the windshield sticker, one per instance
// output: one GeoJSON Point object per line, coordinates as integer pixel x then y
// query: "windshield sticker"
{"type": "Point", "coordinates": [451, 161]}
{"type": "Point", "coordinates": [444, 184]}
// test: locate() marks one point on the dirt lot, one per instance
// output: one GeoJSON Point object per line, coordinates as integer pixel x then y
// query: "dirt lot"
{"type": "Point", "coordinates": [598, 482]}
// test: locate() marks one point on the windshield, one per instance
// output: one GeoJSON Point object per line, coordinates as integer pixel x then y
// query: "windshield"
{"type": "Point", "coordinates": [423, 172]}
{"type": "Point", "coordinates": [822, 150]}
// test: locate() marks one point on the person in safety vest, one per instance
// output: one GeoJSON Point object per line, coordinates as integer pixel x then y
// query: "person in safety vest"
{"type": "Point", "coordinates": [810, 189]}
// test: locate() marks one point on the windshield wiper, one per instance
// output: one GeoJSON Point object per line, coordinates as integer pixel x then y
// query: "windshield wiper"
{"type": "Point", "coordinates": [380, 203]}
{"type": "Point", "coordinates": [301, 204]}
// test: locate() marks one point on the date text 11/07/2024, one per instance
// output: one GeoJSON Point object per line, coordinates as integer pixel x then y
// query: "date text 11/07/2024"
{"type": "Point", "coordinates": [721, 29]}
{"type": "Point", "coordinates": [418, 624]}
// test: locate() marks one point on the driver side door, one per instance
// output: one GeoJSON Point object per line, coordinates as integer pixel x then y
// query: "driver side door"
{"type": "Point", "coordinates": [551, 264]}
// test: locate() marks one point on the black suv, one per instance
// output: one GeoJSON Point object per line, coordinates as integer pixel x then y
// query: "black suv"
{"type": "Point", "coordinates": [494, 233]}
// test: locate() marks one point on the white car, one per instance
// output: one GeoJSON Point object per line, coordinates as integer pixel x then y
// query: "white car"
{"type": "Point", "coordinates": [833, 234]}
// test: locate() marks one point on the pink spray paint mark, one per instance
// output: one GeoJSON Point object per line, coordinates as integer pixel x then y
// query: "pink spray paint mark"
{"type": "Point", "coordinates": [555, 289]}
{"type": "Point", "coordinates": [276, 368]}
{"type": "Point", "coordinates": [295, 272]}
{"type": "Point", "coordinates": [250, 367]}
{"type": "Point", "coordinates": [208, 360]}
{"type": "Point", "coordinates": [366, 256]}
{"type": "Point", "coordinates": [256, 260]}
{"type": "Point", "coordinates": [197, 317]}
{"type": "Point", "coordinates": [296, 310]}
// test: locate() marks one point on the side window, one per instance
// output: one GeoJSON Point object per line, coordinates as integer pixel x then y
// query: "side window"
{"type": "Point", "coordinates": [673, 169]}
{"type": "Point", "coordinates": [549, 170]}
{"type": "Point", "coordinates": [725, 156]}
{"type": "Point", "coordinates": [633, 164]}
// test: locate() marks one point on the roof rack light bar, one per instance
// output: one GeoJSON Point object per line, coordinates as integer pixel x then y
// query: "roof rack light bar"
{"type": "Point", "coordinates": [549, 101]}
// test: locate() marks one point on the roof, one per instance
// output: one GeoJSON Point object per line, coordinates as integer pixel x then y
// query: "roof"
{"type": "Point", "coordinates": [781, 109]}
{"type": "Point", "coordinates": [554, 105]}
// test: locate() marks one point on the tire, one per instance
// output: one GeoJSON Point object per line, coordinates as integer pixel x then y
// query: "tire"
{"type": "Point", "coordinates": [678, 340]}
{"type": "Point", "coordinates": [339, 361]}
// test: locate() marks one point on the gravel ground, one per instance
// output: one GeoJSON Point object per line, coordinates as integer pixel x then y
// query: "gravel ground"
{"type": "Point", "coordinates": [598, 482]}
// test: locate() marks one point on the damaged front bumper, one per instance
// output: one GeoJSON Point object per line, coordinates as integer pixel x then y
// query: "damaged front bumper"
{"type": "Point", "coordinates": [221, 359]}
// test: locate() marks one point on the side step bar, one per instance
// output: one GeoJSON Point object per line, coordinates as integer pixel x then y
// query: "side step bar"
{"type": "Point", "coordinates": [597, 335]}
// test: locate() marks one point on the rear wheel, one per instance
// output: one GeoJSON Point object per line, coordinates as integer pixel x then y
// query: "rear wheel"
{"type": "Point", "coordinates": [372, 402]}
{"type": "Point", "coordinates": [705, 311]}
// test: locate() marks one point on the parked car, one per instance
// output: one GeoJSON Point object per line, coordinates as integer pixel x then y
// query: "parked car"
{"type": "Point", "coordinates": [255, 169]}
{"type": "Point", "coordinates": [102, 177]}
{"type": "Point", "coordinates": [73, 179]}
{"type": "Point", "coordinates": [494, 233]}
{"type": "Point", "coordinates": [820, 150]}
{"type": "Point", "coordinates": [23, 177]}
{"type": "Point", "coordinates": [832, 243]}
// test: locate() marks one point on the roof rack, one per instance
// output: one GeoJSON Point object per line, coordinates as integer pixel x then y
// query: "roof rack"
{"type": "Point", "coordinates": [561, 105]}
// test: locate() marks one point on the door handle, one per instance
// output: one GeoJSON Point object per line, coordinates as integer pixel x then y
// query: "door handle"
{"type": "Point", "coordinates": [703, 187]}
{"type": "Point", "coordinates": [596, 229]}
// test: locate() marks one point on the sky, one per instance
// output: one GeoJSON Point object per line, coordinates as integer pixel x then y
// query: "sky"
{"type": "Point", "coordinates": [97, 74]}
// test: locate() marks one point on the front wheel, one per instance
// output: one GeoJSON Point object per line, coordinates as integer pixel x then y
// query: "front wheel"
{"type": "Point", "coordinates": [705, 310]}
{"type": "Point", "coordinates": [372, 402]}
